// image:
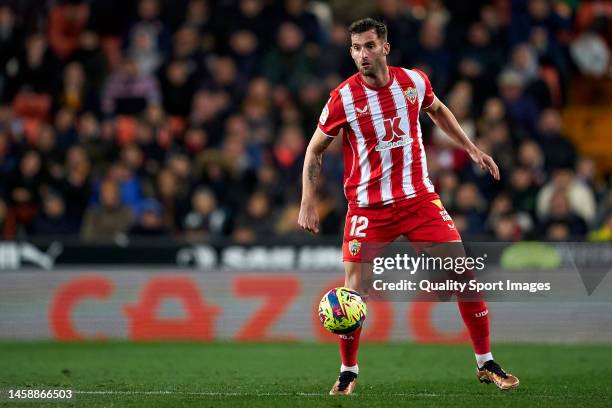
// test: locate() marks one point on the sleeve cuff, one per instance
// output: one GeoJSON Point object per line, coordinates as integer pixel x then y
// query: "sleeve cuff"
{"type": "Point", "coordinates": [328, 135]}
{"type": "Point", "coordinates": [428, 106]}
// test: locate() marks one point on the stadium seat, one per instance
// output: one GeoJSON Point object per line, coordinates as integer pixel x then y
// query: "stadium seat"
{"type": "Point", "coordinates": [589, 128]}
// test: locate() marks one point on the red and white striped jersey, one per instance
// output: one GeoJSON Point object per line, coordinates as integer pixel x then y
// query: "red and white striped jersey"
{"type": "Point", "coordinates": [384, 157]}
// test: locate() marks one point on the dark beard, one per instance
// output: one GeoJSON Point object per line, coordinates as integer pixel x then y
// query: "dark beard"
{"type": "Point", "coordinates": [368, 71]}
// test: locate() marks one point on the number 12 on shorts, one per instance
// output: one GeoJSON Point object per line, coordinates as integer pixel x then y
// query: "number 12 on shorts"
{"type": "Point", "coordinates": [358, 224]}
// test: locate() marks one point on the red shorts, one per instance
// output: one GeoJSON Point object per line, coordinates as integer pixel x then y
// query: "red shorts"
{"type": "Point", "coordinates": [421, 219]}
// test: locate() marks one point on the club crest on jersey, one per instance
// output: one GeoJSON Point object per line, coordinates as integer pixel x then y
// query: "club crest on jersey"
{"type": "Point", "coordinates": [411, 94]}
{"type": "Point", "coordinates": [354, 246]}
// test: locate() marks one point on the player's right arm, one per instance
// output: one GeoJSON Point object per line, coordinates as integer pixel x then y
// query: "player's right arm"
{"type": "Point", "coordinates": [330, 125]}
{"type": "Point", "coordinates": [309, 217]}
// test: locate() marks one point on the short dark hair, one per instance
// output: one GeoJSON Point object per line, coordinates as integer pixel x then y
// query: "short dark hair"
{"type": "Point", "coordinates": [367, 24]}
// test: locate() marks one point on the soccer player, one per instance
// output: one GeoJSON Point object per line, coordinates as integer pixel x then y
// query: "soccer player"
{"type": "Point", "coordinates": [389, 193]}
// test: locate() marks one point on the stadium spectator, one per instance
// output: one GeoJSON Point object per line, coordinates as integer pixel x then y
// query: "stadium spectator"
{"type": "Point", "coordinates": [53, 219]}
{"type": "Point", "coordinates": [74, 92]}
{"type": "Point", "coordinates": [90, 56]}
{"type": "Point", "coordinates": [524, 61]}
{"type": "Point", "coordinates": [222, 96]}
{"type": "Point", "coordinates": [186, 47]}
{"type": "Point", "coordinates": [296, 12]}
{"type": "Point", "coordinates": [448, 182]}
{"type": "Point", "coordinates": [470, 203]}
{"type": "Point", "coordinates": [287, 65]}
{"type": "Point", "coordinates": [520, 107]}
{"type": "Point", "coordinates": [257, 110]}
{"type": "Point", "coordinates": [76, 185]}
{"type": "Point", "coordinates": [205, 220]}
{"type": "Point", "coordinates": [172, 199]}
{"type": "Point", "coordinates": [143, 49]}
{"type": "Point", "coordinates": [8, 161]}
{"type": "Point", "coordinates": [289, 154]}
{"type": "Point", "coordinates": [46, 145]}
{"type": "Point", "coordinates": [177, 85]}
{"type": "Point", "coordinates": [579, 196]}
{"type": "Point", "coordinates": [91, 139]}
{"type": "Point", "coordinates": [480, 61]}
{"type": "Point", "coordinates": [431, 54]}
{"type": "Point", "coordinates": [558, 231]}
{"type": "Point", "coordinates": [249, 15]}
{"type": "Point", "coordinates": [198, 15]}
{"type": "Point", "coordinates": [151, 29]}
{"type": "Point", "coordinates": [24, 187]}
{"type": "Point", "coordinates": [334, 62]}
{"type": "Point", "coordinates": [502, 144]}
{"type": "Point", "coordinates": [129, 91]}
{"type": "Point", "coordinates": [558, 150]}
{"type": "Point", "coordinates": [150, 222]}
{"type": "Point", "coordinates": [561, 213]}
{"type": "Point", "coordinates": [32, 68]}
{"type": "Point", "coordinates": [400, 26]}
{"type": "Point", "coordinates": [586, 173]}
{"type": "Point", "coordinates": [538, 22]}
{"type": "Point", "coordinates": [256, 222]}
{"type": "Point", "coordinates": [208, 111]}
{"type": "Point", "coordinates": [494, 112]}
{"type": "Point", "coordinates": [66, 21]}
{"type": "Point", "coordinates": [530, 156]}
{"type": "Point", "coordinates": [11, 43]}
{"type": "Point", "coordinates": [110, 219]}
{"type": "Point", "coordinates": [523, 190]}
{"type": "Point", "coordinates": [474, 174]}
{"type": "Point", "coordinates": [65, 128]}
{"type": "Point", "coordinates": [506, 229]}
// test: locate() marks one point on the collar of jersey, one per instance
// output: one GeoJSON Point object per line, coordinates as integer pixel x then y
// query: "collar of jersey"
{"type": "Point", "coordinates": [376, 88]}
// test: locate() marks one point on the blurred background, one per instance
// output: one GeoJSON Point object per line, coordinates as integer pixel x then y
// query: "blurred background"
{"type": "Point", "coordinates": [151, 155]}
{"type": "Point", "coordinates": [188, 119]}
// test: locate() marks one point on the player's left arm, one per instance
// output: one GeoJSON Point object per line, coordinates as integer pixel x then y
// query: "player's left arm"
{"type": "Point", "coordinates": [445, 120]}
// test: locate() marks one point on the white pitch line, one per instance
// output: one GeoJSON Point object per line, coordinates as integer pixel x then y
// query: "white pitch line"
{"type": "Point", "coordinates": [202, 393]}
{"type": "Point", "coordinates": [248, 394]}
{"type": "Point", "coordinates": [238, 394]}
{"type": "Point", "coordinates": [299, 394]}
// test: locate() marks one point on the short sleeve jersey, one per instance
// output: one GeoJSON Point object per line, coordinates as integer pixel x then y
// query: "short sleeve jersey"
{"type": "Point", "coordinates": [384, 157]}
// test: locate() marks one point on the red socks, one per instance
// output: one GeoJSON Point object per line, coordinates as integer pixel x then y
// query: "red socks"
{"type": "Point", "coordinates": [349, 345]}
{"type": "Point", "coordinates": [475, 315]}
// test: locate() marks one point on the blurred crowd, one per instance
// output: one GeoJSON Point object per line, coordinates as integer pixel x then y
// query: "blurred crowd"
{"type": "Point", "coordinates": [189, 118]}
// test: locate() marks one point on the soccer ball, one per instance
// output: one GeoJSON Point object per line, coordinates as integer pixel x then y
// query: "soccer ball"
{"type": "Point", "coordinates": [342, 311]}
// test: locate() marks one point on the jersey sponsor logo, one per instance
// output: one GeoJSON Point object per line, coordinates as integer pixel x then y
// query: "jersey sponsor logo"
{"type": "Point", "coordinates": [354, 246]}
{"type": "Point", "coordinates": [394, 135]}
{"type": "Point", "coordinates": [324, 114]}
{"type": "Point", "coordinates": [411, 94]}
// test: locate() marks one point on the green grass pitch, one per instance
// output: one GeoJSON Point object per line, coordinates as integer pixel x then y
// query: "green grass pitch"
{"type": "Point", "coordinates": [295, 375]}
